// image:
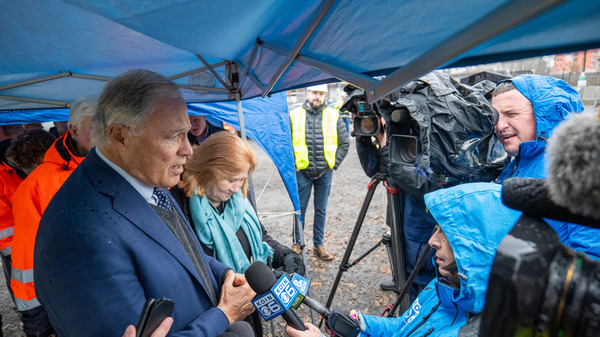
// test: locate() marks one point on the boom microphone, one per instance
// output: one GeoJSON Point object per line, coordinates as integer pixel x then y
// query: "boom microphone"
{"type": "Point", "coordinates": [276, 296]}
{"type": "Point", "coordinates": [531, 196]}
{"type": "Point", "coordinates": [574, 156]}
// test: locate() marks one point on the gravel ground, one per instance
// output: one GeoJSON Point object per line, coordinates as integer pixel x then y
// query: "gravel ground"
{"type": "Point", "coordinates": [359, 286]}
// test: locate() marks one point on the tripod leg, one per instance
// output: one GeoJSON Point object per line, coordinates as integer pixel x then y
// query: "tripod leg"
{"type": "Point", "coordinates": [359, 221]}
{"type": "Point", "coordinates": [388, 248]}
{"type": "Point", "coordinates": [397, 233]}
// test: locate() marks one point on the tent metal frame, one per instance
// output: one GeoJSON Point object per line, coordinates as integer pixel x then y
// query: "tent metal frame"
{"type": "Point", "coordinates": [505, 17]}
{"type": "Point", "coordinates": [498, 21]}
{"type": "Point", "coordinates": [227, 88]}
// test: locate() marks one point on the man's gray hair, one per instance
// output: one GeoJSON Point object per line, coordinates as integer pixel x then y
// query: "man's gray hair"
{"type": "Point", "coordinates": [83, 107]}
{"type": "Point", "coordinates": [129, 99]}
{"type": "Point", "coordinates": [503, 87]}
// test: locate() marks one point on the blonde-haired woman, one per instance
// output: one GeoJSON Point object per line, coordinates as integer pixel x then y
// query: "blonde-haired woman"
{"type": "Point", "coordinates": [225, 222]}
{"type": "Point", "coordinates": [212, 194]}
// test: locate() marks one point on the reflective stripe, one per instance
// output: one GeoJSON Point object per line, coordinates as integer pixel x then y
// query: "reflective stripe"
{"type": "Point", "coordinates": [23, 276]}
{"type": "Point", "coordinates": [23, 305]}
{"type": "Point", "coordinates": [299, 148]}
{"type": "Point", "coordinates": [330, 136]}
{"type": "Point", "coordinates": [6, 232]}
{"type": "Point", "coordinates": [6, 251]}
{"type": "Point", "coordinates": [298, 119]}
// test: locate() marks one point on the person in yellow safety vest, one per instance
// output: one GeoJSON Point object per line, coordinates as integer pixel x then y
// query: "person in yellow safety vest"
{"type": "Point", "coordinates": [30, 202]}
{"type": "Point", "coordinates": [320, 141]}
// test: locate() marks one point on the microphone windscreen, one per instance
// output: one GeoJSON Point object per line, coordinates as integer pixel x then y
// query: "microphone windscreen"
{"type": "Point", "coordinates": [260, 277]}
{"type": "Point", "coordinates": [573, 154]}
{"type": "Point", "coordinates": [240, 329]}
{"type": "Point", "coordinates": [227, 334]}
{"type": "Point", "coordinates": [531, 197]}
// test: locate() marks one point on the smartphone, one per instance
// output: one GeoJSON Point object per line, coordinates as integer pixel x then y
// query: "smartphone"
{"type": "Point", "coordinates": [341, 324]}
{"type": "Point", "coordinates": [153, 313]}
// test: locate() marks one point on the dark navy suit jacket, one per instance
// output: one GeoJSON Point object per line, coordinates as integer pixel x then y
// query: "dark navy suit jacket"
{"type": "Point", "coordinates": [101, 250]}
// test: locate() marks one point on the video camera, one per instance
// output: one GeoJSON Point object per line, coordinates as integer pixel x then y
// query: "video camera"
{"type": "Point", "coordinates": [439, 132]}
{"type": "Point", "coordinates": [365, 116]}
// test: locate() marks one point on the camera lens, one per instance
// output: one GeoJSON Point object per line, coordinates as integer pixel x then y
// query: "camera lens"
{"type": "Point", "coordinates": [408, 152]}
{"type": "Point", "coordinates": [404, 149]}
{"type": "Point", "coordinates": [368, 126]}
{"type": "Point", "coordinates": [400, 115]}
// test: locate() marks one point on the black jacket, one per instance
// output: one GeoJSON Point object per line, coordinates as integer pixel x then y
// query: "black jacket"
{"type": "Point", "coordinates": [317, 165]}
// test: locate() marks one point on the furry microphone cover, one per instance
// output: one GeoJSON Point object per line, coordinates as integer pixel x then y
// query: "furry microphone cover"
{"type": "Point", "coordinates": [574, 165]}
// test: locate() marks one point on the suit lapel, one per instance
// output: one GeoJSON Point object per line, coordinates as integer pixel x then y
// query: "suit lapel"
{"type": "Point", "coordinates": [131, 205]}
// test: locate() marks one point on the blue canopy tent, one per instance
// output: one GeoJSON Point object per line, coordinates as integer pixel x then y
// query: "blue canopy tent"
{"type": "Point", "coordinates": [55, 51]}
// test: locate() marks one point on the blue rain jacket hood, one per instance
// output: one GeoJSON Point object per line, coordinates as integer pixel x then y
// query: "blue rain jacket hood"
{"type": "Point", "coordinates": [553, 100]}
{"type": "Point", "coordinates": [474, 221]}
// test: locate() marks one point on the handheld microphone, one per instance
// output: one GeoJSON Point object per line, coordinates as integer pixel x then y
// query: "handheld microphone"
{"type": "Point", "coordinates": [240, 329]}
{"type": "Point", "coordinates": [227, 334]}
{"type": "Point", "coordinates": [275, 296]}
{"type": "Point", "coordinates": [302, 284]}
{"type": "Point", "coordinates": [335, 319]}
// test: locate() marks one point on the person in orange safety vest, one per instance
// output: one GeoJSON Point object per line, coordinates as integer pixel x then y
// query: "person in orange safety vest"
{"type": "Point", "coordinates": [23, 155]}
{"type": "Point", "coordinates": [30, 202]}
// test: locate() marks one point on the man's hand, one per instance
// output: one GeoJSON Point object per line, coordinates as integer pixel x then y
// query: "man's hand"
{"type": "Point", "coordinates": [311, 331]}
{"type": "Point", "coordinates": [381, 136]}
{"type": "Point", "coordinates": [161, 331]}
{"type": "Point", "coordinates": [236, 295]}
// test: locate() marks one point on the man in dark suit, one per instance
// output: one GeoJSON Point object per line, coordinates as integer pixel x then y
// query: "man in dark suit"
{"type": "Point", "coordinates": [111, 237]}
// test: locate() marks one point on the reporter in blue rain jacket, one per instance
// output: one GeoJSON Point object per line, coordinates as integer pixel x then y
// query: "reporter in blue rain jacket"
{"type": "Point", "coordinates": [471, 222]}
{"type": "Point", "coordinates": [530, 107]}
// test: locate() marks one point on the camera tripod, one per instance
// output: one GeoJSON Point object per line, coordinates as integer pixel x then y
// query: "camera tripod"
{"type": "Point", "coordinates": [394, 244]}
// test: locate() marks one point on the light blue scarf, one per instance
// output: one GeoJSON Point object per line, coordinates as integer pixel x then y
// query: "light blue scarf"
{"type": "Point", "coordinates": [217, 231]}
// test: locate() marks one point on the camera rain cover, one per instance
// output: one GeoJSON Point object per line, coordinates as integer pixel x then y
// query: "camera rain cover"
{"type": "Point", "coordinates": [454, 124]}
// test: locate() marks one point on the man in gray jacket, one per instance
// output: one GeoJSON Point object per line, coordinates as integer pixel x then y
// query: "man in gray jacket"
{"type": "Point", "coordinates": [320, 143]}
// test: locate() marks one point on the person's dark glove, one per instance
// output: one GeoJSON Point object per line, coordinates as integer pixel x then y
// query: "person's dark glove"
{"type": "Point", "coordinates": [289, 262]}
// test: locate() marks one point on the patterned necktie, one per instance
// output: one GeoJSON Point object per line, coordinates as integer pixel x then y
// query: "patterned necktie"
{"type": "Point", "coordinates": [163, 199]}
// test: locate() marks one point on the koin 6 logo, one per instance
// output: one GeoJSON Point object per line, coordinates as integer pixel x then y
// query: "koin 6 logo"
{"type": "Point", "coordinates": [285, 291]}
{"type": "Point", "coordinates": [268, 305]}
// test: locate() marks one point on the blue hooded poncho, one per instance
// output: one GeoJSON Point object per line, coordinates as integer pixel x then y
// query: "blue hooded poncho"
{"type": "Point", "coordinates": [553, 101]}
{"type": "Point", "coordinates": [474, 221]}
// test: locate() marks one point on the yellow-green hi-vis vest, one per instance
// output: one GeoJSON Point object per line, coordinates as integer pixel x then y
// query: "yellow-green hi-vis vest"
{"type": "Point", "coordinates": [330, 137]}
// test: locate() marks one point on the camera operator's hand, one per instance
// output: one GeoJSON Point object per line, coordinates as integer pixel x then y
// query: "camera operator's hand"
{"type": "Point", "coordinates": [381, 138]}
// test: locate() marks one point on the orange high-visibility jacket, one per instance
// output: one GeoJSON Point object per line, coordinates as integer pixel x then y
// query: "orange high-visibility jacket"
{"type": "Point", "coordinates": [9, 181]}
{"type": "Point", "coordinates": [29, 203]}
